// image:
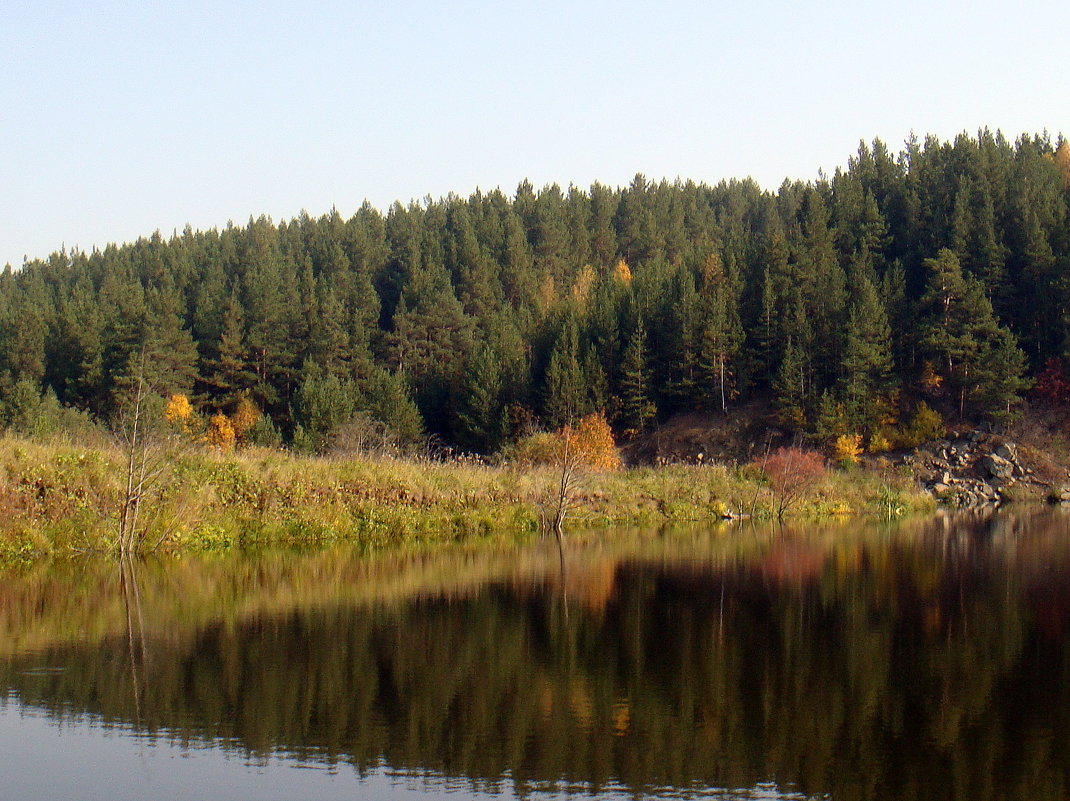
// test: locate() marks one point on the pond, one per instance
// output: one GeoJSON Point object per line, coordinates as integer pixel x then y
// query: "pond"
{"type": "Point", "coordinates": [928, 659]}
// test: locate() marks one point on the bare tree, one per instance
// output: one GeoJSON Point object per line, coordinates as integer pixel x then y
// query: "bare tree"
{"type": "Point", "coordinates": [148, 453]}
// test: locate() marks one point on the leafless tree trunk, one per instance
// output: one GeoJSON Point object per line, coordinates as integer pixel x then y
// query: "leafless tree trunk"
{"type": "Point", "coordinates": [145, 461]}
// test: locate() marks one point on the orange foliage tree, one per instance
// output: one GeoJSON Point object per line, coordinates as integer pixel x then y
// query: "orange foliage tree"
{"type": "Point", "coordinates": [587, 447]}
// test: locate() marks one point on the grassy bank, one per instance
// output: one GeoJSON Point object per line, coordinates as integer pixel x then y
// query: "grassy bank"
{"type": "Point", "coordinates": [61, 498]}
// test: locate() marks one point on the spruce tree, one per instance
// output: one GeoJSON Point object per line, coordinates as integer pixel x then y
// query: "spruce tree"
{"type": "Point", "coordinates": [565, 396]}
{"type": "Point", "coordinates": [480, 425]}
{"type": "Point", "coordinates": [636, 407]}
{"type": "Point", "coordinates": [978, 359]}
{"type": "Point", "coordinates": [867, 360]}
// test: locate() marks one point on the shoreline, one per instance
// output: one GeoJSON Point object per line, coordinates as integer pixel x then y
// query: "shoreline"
{"type": "Point", "coordinates": [63, 499]}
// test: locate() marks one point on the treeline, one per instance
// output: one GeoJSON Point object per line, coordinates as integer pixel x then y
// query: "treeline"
{"type": "Point", "coordinates": [935, 277]}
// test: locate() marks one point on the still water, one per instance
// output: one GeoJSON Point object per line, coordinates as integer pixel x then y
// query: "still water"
{"type": "Point", "coordinates": [927, 660]}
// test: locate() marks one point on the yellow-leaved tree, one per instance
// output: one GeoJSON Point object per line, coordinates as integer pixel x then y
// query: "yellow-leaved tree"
{"type": "Point", "coordinates": [581, 290]}
{"type": "Point", "coordinates": [578, 450]}
{"type": "Point", "coordinates": [220, 432]}
{"type": "Point", "coordinates": [245, 416]}
{"type": "Point", "coordinates": [1062, 159]}
{"type": "Point", "coordinates": [178, 409]}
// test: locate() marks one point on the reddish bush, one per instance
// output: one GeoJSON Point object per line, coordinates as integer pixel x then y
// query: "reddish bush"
{"type": "Point", "coordinates": [1052, 384]}
{"type": "Point", "coordinates": [791, 472]}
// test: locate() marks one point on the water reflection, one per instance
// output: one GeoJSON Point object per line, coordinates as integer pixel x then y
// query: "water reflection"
{"type": "Point", "coordinates": [927, 661]}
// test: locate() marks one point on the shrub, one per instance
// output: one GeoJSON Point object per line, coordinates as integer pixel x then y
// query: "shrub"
{"type": "Point", "coordinates": [878, 443]}
{"type": "Point", "coordinates": [925, 425]}
{"type": "Point", "coordinates": [1052, 384]}
{"type": "Point", "coordinates": [589, 443]}
{"type": "Point", "coordinates": [847, 448]}
{"type": "Point", "coordinates": [178, 409]}
{"type": "Point", "coordinates": [263, 433]}
{"type": "Point", "coordinates": [220, 432]}
{"type": "Point", "coordinates": [791, 472]}
{"type": "Point", "coordinates": [246, 415]}
{"type": "Point", "coordinates": [41, 416]}
{"type": "Point", "coordinates": [362, 435]}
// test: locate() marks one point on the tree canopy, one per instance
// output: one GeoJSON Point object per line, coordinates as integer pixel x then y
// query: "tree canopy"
{"type": "Point", "coordinates": [941, 274]}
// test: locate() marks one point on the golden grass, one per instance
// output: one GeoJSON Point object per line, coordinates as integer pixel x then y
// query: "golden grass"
{"type": "Point", "coordinates": [58, 498]}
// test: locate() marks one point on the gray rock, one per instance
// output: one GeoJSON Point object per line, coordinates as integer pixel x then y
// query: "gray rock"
{"type": "Point", "coordinates": [997, 466]}
{"type": "Point", "coordinates": [1007, 451]}
{"type": "Point", "coordinates": [940, 489]}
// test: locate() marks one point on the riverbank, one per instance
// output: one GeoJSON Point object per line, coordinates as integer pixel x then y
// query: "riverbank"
{"type": "Point", "coordinates": [58, 499]}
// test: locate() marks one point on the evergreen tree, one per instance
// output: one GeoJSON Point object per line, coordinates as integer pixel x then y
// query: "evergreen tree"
{"type": "Point", "coordinates": [978, 359]}
{"type": "Point", "coordinates": [566, 392]}
{"type": "Point", "coordinates": [227, 375]}
{"type": "Point", "coordinates": [721, 334]}
{"type": "Point", "coordinates": [387, 398]}
{"type": "Point", "coordinates": [867, 360]}
{"type": "Point", "coordinates": [480, 412]}
{"type": "Point", "coordinates": [636, 408]}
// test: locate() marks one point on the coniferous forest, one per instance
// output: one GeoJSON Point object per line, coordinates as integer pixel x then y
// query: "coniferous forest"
{"type": "Point", "coordinates": [936, 278]}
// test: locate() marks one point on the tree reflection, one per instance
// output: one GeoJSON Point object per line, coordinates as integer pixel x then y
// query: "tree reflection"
{"type": "Point", "coordinates": [927, 663]}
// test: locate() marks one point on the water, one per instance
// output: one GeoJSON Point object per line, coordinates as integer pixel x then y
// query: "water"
{"type": "Point", "coordinates": [928, 660]}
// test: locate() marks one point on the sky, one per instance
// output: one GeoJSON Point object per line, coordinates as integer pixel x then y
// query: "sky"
{"type": "Point", "coordinates": [118, 119]}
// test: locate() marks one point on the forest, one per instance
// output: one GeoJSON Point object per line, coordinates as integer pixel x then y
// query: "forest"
{"type": "Point", "coordinates": [930, 283]}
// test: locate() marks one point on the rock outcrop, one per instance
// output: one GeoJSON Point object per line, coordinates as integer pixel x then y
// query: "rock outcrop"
{"type": "Point", "coordinates": [976, 470]}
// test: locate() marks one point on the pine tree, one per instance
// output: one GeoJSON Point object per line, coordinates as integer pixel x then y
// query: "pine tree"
{"type": "Point", "coordinates": [566, 391]}
{"type": "Point", "coordinates": [480, 423]}
{"type": "Point", "coordinates": [171, 355]}
{"type": "Point", "coordinates": [227, 375]}
{"type": "Point", "coordinates": [979, 359]}
{"type": "Point", "coordinates": [387, 398]}
{"type": "Point", "coordinates": [720, 336]}
{"type": "Point", "coordinates": [867, 360]}
{"type": "Point", "coordinates": [637, 408]}
{"type": "Point", "coordinates": [790, 386]}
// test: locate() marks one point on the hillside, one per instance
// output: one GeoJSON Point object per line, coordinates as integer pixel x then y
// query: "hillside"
{"type": "Point", "coordinates": [905, 293]}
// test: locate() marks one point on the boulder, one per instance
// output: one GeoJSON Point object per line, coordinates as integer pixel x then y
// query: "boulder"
{"type": "Point", "coordinates": [997, 466]}
{"type": "Point", "coordinates": [1007, 451]}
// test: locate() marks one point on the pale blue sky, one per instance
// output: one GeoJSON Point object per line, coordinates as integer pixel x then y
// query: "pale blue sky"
{"type": "Point", "coordinates": [118, 119]}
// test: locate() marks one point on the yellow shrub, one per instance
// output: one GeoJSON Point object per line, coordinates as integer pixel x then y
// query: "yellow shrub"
{"type": "Point", "coordinates": [178, 409]}
{"type": "Point", "coordinates": [591, 441]}
{"type": "Point", "coordinates": [847, 448]}
{"type": "Point", "coordinates": [220, 432]}
{"type": "Point", "coordinates": [244, 417]}
{"type": "Point", "coordinates": [878, 443]}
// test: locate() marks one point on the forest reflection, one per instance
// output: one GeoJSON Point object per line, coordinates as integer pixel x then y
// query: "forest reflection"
{"type": "Point", "coordinates": [923, 661]}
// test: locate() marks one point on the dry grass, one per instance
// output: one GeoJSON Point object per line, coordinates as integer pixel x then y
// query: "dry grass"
{"type": "Point", "coordinates": [56, 498]}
